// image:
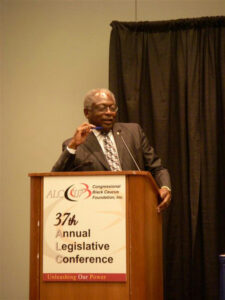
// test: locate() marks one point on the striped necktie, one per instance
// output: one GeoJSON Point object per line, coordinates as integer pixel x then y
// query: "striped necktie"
{"type": "Point", "coordinates": [111, 154]}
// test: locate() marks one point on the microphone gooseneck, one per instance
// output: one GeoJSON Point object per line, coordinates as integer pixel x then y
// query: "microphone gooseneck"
{"type": "Point", "coordinates": [136, 164]}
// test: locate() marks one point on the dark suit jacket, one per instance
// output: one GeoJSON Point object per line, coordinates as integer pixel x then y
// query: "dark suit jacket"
{"type": "Point", "coordinates": [90, 157]}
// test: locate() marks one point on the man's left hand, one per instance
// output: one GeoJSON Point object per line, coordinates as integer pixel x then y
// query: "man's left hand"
{"type": "Point", "coordinates": [165, 196]}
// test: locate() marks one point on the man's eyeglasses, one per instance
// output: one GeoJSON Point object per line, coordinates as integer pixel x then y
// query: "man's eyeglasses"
{"type": "Point", "coordinates": [104, 108]}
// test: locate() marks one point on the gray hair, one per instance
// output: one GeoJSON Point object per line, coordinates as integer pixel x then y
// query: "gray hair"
{"type": "Point", "coordinates": [92, 95]}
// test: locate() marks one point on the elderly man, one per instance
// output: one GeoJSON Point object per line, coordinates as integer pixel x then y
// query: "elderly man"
{"type": "Point", "coordinates": [103, 144]}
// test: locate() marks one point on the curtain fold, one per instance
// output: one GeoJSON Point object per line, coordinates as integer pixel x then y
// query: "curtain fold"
{"type": "Point", "coordinates": [169, 76]}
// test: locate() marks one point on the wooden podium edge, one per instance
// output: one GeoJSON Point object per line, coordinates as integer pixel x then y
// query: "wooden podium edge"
{"type": "Point", "coordinates": [98, 173]}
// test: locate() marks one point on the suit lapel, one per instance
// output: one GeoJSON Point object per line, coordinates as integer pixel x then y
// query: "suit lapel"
{"type": "Point", "coordinates": [93, 146]}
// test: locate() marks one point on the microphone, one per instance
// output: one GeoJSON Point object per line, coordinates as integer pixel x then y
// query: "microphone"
{"type": "Point", "coordinates": [136, 164]}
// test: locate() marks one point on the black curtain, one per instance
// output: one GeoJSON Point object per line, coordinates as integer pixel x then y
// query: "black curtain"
{"type": "Point", "coordinates": [170, 77]}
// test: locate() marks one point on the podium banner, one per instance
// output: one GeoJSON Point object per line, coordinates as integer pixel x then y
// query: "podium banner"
{"type": "Point", "coordinates": [84, 228]}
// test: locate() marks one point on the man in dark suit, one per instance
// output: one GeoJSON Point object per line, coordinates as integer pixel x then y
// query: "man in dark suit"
{"type": "Point", "coordinates": [101, 144]}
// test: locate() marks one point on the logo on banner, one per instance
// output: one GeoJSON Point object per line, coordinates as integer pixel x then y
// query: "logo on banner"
{"type": "Point", "coordinates": [74, 193]}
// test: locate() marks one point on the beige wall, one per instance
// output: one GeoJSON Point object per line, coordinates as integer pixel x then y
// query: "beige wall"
{"type": "Point", "coordinates": [52, 53]}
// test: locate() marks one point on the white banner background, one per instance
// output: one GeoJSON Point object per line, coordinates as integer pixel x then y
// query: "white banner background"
{"type": "Point", "coordinates": [98, 205]}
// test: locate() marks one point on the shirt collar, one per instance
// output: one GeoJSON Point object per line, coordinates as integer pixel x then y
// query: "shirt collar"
{"type": "Point", "coordinates": [97, 133]}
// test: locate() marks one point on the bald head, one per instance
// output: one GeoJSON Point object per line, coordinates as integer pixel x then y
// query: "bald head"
{"type": "Point", "coordinates": [93, 95]}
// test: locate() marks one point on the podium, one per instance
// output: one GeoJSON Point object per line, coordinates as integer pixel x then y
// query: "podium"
{"type": "Point", "coordinates": [143, 245]}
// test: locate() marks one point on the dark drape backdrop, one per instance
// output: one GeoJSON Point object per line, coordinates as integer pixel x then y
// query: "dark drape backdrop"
{"type": "Point", "coordinates": [170, 77]}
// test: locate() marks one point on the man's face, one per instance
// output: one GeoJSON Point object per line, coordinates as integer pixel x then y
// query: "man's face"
{"type": "Point", "coordinates": [103, 111]}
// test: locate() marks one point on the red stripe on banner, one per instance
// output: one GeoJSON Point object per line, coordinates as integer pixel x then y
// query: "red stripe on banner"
{"type": "Point", "coordinates": [84, 277]}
